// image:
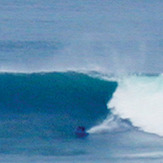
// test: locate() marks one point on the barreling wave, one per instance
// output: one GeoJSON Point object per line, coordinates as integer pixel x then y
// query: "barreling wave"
{"type": "Point", "coordinates": [51, 104]}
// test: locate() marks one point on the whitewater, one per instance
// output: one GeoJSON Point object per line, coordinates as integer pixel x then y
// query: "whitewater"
{"type": "Point", "coordinates": [139, 99]}
{"type": "Point", "coordinates": [65, 64]}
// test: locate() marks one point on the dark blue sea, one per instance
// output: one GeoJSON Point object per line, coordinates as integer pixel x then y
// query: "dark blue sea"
{"type": "Point", "coordinates": [93, 63]}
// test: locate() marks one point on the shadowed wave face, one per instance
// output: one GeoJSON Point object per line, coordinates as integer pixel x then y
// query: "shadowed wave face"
{"type": "Point", "coordinates": [51, 104]}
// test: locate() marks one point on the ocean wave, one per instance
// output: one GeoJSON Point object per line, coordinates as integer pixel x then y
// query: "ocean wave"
{"type": "Point", "coordinates": [52, 103]}
{"type": "Point", "coordinates": [65, 100]}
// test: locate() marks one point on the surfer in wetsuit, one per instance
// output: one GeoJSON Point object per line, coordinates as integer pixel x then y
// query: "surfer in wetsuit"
{"type": "Point", "coordinates": [83, 128]}
{"type": "Point", "coordinates": [80, 131]}
{"type": "Point", "coordinates": [80, 128]}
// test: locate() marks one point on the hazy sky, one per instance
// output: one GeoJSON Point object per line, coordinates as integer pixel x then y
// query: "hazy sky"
{"type": "Point", "coordinates": [108, 35]}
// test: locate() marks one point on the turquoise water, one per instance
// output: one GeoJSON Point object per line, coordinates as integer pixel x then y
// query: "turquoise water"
{"type": "Point", "coordinates": [52, 102]}
{"type": "Point", "coordinates": [40, 112]}
{"type": "Point", "coordinates": [67, 63]}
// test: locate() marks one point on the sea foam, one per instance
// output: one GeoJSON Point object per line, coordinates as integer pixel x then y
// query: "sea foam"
{"type": "Point", "coordinates": [139, 99]}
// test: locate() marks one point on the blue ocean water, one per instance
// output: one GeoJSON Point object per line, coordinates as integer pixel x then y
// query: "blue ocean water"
{"type": "Point", "coordinates": [40, 112]}
{"type": "Point", "coordinates": [58, 102]}
{"type": "Point", "coordinates": [68, 63]}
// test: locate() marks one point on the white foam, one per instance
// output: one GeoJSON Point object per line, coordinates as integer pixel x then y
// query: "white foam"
{"type": "Point", "coordinates": [144, 155]}
{"type": "Point", "coordinates": [140, 99]}
{"type": "Point", "coordinates": [111, 123]}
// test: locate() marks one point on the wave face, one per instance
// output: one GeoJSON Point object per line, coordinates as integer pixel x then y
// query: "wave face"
{"type": "Point", "coordinates": [51, 104]}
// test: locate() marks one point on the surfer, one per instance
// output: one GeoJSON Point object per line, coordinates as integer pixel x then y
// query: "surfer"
{"type": "Point", "coordinates": [81, 128]}
{"type": "Point", "coordinates": [80, 132]}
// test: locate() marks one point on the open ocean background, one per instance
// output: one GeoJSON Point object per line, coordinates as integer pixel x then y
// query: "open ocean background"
{"type": "Point", "coordinates": [95, 63]}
